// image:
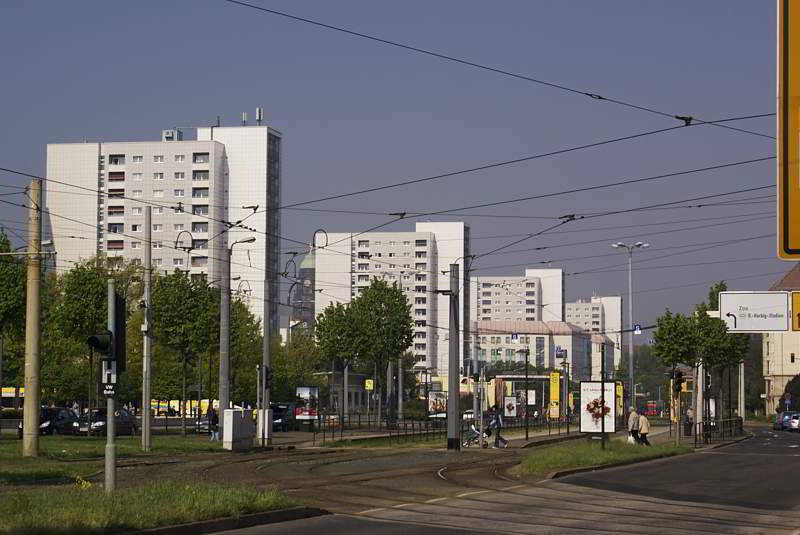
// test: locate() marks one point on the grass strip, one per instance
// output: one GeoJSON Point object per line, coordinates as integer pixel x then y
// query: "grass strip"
{"type": "Point", "coordinates": [69, 447]}
{"type": "Point", "coordinates": [83, 508]}
{"type": "Point", "coordinates": [579, 454]}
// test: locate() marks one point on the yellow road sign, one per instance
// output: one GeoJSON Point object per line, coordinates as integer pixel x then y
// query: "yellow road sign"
{"type": "Point", "coordinates": [368, 384]}
{"type": "Point", "coordinates": [796, 311]}
{"type": "Point", "coordinates": [788, 129]}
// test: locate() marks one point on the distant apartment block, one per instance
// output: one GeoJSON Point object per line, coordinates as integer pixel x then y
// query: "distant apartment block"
{"type": "Point", "coordinates": [600, 315]}
{"type": "Point", "coordinates": [193, 188]}
{"type": "Point", "coordinates": [414, 261]}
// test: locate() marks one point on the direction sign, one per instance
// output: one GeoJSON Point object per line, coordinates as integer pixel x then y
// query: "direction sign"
{"type": "Point", "coordinates": [788, 129]}
{"type": "Point", "coordinates": [754, 312]}
{"type": "Point", "coordinates": [637, 329]}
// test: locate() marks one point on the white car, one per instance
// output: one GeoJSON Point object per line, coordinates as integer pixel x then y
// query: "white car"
{"type": "Point", "coordinates": [794, 423]}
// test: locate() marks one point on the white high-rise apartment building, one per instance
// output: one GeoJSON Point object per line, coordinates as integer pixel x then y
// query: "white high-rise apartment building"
{"type": "Point", "coordinates": [599, 315]}
{"type": "Point", "coordinates": [535, 297]}
{"type": "Point", "coordinates": [193, 188]}
{"type": "Point", "coordinates": [346, 263]}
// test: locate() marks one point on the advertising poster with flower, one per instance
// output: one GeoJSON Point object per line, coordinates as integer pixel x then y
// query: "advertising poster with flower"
{"type": "Point", "coordinates": [593, 408]}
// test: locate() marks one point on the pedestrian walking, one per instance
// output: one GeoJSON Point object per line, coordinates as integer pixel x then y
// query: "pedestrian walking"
{"type": "Point", "coordinates": [213, 424]}
{"type": "Point", "coordinates": [633, 425]}
{"type": "Point", "coordinates": [644, 428]}
{"type": "Point", "coordinates": [497, 424]}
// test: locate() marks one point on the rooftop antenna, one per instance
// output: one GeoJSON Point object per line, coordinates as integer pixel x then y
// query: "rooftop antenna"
{"type": "Point", "coordinates": [218, 121]}
{"type": "Point", "coordinates": [244, 118]}
{"type": "Point", "coordinates": [259, 115]}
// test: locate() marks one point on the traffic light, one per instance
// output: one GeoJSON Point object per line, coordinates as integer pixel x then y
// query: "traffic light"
{"type": "Point", "coordinates": [677, 381]}
{"type": "Point", "coordinates": [103, 343]}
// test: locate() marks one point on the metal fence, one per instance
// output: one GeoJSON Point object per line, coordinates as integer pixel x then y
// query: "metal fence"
{"type": "Point", "coordinates": [714, 431]}
{"type": "Point", "coordinates": [332, 427]}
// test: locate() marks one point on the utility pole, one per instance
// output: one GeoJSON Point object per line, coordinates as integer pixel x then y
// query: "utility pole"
{"type": "Point", "coordinates": [147, 341]}
{"type": "Point", "coordinates": [266, 415]}
{"type": "Point", "coordinates": [30, 424]}
{"type": "Point", "coordinates": [111, 447]}
{"type": "Point", "coordinates": [602, 395]}
{"type": "Point", "coordinates": [224, 339]}
{"type": "Point", "coordinates": [453, 383]}
{"type": "Point", "coordinates": [527, 390]}
{"type": "Point", "coordinates": [400, 388]}
{"type": "Point", "coordinates": [741, 389]}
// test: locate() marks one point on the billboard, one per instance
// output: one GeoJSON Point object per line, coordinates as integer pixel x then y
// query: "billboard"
{"type": "Point", "coordinates": [306, 407]}
{"type": "Point", "coordinates": [437, 403]}
{"type": "Point", "coordinates": [510, 406]}
{"type": "Point", "coordinates": [593, 409]}
{"type": "Point", "coordinates": [754, 312]}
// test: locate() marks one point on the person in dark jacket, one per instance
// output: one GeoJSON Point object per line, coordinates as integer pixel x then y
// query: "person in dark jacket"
{"type": "Point", "coordinates": [497, 424]}
{"type": "Point", "coordinates": [213, 424]}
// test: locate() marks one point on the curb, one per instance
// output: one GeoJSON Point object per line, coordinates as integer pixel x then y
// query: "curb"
{"type": "Point", "coordinates": [555, 440]}
{"type": "Point", "coordinates": [570, 471]}
{"type": "Point", "coordinates": [244, 521]}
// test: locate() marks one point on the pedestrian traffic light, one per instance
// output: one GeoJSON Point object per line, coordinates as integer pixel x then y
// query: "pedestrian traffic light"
{"type": "Point", "coordinates": [677, 381]}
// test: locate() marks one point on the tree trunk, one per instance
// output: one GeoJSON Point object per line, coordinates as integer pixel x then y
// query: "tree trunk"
{"type": "Point", "coordinates": [183, 401]}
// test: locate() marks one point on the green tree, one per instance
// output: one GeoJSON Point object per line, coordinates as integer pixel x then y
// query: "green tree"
{"type": "Point", "coordinates": [675, 340]}
{"type": "Point", "coordinates": [793, 389]}
{"type": "Point", "coordinates": [12, 304]}
{"type": "Point", "coordinates": [295, 365]}
{"type": "Point", "coordinates": [246, 342]}
{"type": "Point", "coordinates": [185, 321]}
{"type": "Point", "coordinates": [382, 328]}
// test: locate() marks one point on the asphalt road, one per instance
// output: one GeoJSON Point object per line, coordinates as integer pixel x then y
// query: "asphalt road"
{"type": "Point", "coordinates": [744, 488]}
{"type": "Point", "coordinates": [760, 472]}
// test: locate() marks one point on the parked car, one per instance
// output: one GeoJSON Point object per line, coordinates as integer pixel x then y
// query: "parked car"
{"type": "Point", "coordinates": [794, 422]}
{"type": "Point", "coordinates": [124, 423]}
{"type": "Point", "coordinates": [282, 416]}
{"type": "Point", "coordinates": [53, 420]}
{"type": "Point", "coordinates": [786, 418]}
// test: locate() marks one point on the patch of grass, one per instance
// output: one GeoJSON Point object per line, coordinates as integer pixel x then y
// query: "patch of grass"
{"type": "Point", "coordinates": [69, 447]}
{"type": "Point", "coordinates": [85, 509]}
{"type": "Point", "coordinates": [35, 472]}
{"type": "Point", "coordinates": [542, 461]}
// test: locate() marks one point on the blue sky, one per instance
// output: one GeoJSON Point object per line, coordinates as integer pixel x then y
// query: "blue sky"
{"type": "Point", "coordinates": [356, 113]}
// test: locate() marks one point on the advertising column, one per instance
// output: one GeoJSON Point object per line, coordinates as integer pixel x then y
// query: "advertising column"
{"type": "Point", "coordinates": [555, 395]}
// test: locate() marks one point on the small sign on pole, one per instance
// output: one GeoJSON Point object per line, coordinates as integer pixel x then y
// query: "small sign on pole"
{"type": "Point", "coordinates": [637, 329]}
{"type": "Point", "coordinates": [369, 385]}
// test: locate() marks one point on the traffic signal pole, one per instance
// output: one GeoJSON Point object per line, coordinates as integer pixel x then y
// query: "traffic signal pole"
{"type": "Point", "coordinates": [111, 447]}
{"type": "Point", "coordinates": [453, 375]}
{"type": "Point", "coordinates": [30, 416]}
{"type": "Point", "coordinates": [146, 343]}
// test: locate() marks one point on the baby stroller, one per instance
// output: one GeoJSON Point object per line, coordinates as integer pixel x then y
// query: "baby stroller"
{"type": "Point", "coordinates": [472, 437]}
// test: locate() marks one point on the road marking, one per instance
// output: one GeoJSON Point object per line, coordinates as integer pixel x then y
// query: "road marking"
{"type": "Point", "coordinates": [440, 473]}
{"type": "Point", "coordinates": [402, 504]}
{"type": "Point", "coordinates": [370, 511]}
{"type": "Point", "coordinates": [472, 493]}
{"type": "Point", "coordinates": [513, 487]}
{"type": "Point", "coordinates": [434, 500]}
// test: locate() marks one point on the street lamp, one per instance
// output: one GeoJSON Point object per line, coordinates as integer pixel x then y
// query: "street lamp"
{"type": "Point", "coordinates": [630, 248]}
{"type": "Point", "coordinates": [225, 331]}
{"type": "Point", "coordinates": [187, 249]}
{"type": "Point", "coordinates": [527, 353]}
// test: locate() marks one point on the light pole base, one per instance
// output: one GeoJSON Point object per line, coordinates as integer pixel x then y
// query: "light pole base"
{"type": "Point", "coordinates": [453, 444]}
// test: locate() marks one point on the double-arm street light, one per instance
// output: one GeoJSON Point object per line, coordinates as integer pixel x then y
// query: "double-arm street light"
{"type": "Point", "coordinates": [630, 248]}
{"type": "Point", "coordinates": [225, 330]}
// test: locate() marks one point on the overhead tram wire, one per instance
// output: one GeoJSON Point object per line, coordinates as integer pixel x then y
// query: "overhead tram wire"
{"type": "Point", "coordinates": [504, 163]}
{"type": "Point", "coordinates": [688, 120]}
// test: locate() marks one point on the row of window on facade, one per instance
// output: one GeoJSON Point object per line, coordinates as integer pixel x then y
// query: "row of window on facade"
{"type": "Point", "coordinates": [490, 318]}
{"type": "Point", "coordinates": [119, 176]}
{"type": "Point", "coordinates": [509, 339]}
{"type": "Point", "coordinates": [377, 243]}
{"type": "Point", "coordinates": [498, 285]}
{"type": "Point", "coordinates": [120, 244]}
{"type": "Point", "coordinates": [508, 311]}
{"type": "Point", "coordinates": [119, 159]}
